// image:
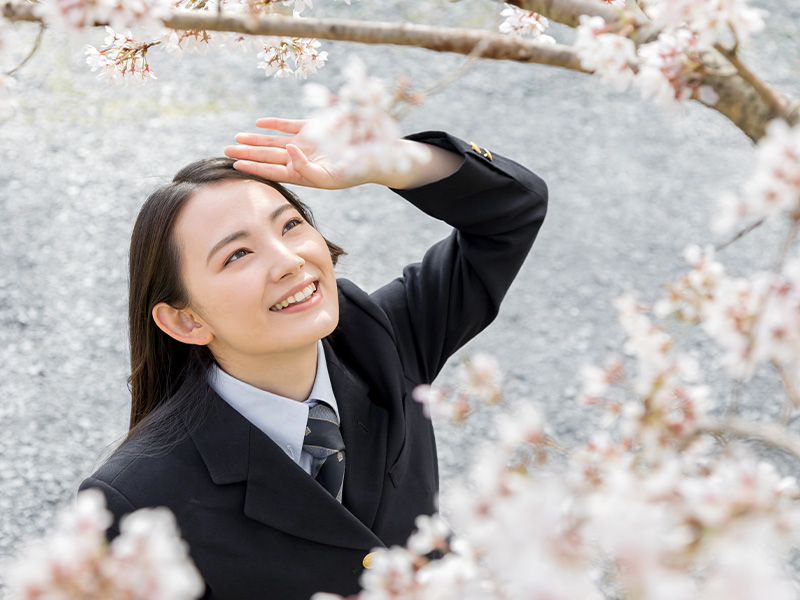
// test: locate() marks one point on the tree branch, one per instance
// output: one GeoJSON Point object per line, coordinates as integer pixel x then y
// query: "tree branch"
{"type": "Point", "coordinates": [773, 435]}
{"type": "Point", "coordinates": [769, 95]}
{"type": "Point", "coordinates": [568, 12]}
{"type": "Point", "coordinates": [30, 54]}
{"type": "Point", "coordinates": [440, 39]}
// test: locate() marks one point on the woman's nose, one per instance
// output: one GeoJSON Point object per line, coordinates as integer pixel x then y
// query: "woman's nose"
{"type": "Point", "coordinates": [286, 262]}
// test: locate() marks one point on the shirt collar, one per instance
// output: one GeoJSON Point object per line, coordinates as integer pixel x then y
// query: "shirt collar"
{"type": "Point", "coordinates": [280, 418]}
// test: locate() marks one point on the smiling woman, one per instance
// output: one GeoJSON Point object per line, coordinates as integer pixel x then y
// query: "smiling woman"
{"type": "Point", "coordinates": [271, 404]}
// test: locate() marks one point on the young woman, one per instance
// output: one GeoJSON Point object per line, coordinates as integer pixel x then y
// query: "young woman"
{"type": "Point", "coordinates": [243, 343]}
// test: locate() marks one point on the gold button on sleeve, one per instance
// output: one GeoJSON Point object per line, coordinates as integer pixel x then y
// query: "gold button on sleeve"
{"type": "Point", "coordinates": [367, 562]}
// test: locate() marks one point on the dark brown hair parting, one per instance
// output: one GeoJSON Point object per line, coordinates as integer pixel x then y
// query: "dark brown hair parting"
{"type": "Point", "coordinates": [169, 391]}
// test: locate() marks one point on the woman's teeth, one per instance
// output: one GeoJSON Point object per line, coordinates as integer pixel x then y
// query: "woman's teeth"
{"type": "Point", "coordinates": [303, 294]}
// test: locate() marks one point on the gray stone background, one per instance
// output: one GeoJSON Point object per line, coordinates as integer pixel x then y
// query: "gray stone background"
{"type": "Point", "coordinates": [630, 187]}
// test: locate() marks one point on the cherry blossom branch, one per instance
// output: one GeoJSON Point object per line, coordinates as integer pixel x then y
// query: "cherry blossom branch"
{"type": "Point", "coordinates": [36, 44]}
{"type": "Point", "coordinates": [771, 434]}
{"type": "Point", "coordinates": [769, 95]}
{"type": "Point", "coordinates": [740, 235]}
{"type": "Point", "coordinates": [440, 39]}
{"type": "Point", "coordinates": [568, 12]}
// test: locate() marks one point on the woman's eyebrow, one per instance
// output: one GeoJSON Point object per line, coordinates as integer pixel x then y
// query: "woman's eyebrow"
{"type": "Point", "coordinates": [226, 240]}
{"type": "Point", "coordinates": [243, 234]}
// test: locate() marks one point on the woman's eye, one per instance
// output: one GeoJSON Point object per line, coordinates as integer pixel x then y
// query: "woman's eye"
{"type": "Point", "coordinates": [237, 255]}
{"type": "Point", "coordinates": [291, 224]}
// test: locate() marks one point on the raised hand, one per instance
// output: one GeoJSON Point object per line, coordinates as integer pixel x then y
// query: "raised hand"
{"type": "Point", "coordinates": [288, 158]}
{"type": "Point", "coordinates": [298, 159]}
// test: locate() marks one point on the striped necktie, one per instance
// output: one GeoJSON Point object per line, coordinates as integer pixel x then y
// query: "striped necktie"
{"type": "Point", "coordinates": [323, 441]}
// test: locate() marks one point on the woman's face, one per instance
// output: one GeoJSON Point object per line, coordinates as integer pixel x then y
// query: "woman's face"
{"type": "Point", "coordinates": [258, 275]}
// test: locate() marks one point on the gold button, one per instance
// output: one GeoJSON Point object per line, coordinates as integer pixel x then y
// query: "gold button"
{"type": "Point", "coordinates": [488, 154]}
{"type": "Point", "coordinates": [367, 562]}
{"type": "Point", "coordinates": [475, 147]}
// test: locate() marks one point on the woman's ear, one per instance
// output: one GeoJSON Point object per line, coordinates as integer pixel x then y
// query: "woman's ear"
{"type": "Point", "coordinates": [181, 325]}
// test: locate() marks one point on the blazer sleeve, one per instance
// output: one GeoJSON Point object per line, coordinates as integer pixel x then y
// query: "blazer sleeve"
{"type": "Point", "coordinates": [496, 207]}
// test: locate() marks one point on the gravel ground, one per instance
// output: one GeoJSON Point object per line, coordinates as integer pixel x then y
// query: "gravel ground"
{"type": "Point", "coordinates": [630, 188]}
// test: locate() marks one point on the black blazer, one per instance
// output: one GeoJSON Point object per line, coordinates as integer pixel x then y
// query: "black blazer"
{"type": "Point", "coordinates": [257, 525]}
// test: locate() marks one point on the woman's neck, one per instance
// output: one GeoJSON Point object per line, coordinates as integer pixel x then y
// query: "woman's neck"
{"type": "Point", "coordinates": [289, 374]}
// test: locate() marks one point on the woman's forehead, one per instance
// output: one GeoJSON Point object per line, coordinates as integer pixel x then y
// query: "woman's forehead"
{"type": "Point", "coordinates": [215, 211]}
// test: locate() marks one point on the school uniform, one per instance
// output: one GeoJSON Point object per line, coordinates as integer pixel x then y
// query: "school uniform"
{"type": "Point", "coordinates": [257, 525]}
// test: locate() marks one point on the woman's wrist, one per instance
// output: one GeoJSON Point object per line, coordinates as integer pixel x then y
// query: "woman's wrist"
{"type": "Point", "coordinates": [440, 164]}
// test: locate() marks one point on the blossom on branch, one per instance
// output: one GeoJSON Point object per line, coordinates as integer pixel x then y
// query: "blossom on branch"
{"type": "Point", "coordinates": [118, 14]}
{"type": "Point", "coordinates": [176, 42]}
{"type": "Point", "coordinates": [120, 56]}
{"type": "Point", "coordinates": [671, 70]}
{"type": "Point", "coordinates": [147, 561]}
{"type": "Point", "coordinates": [709, 19]}
{"type": "Point", "coordinates": [278, 52]}
{"type": "Point", "coordinates": [774, 187]}
{"type": "Point", "coordinates": [356, 125]}
{"type": "Point", "coordinates": [609, 55]}
{"type": "Point", "coordinates": [525, 23]}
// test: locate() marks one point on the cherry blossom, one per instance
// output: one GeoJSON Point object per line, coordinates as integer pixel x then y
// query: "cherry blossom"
{"type": "Point", "coordinates": [278, 52]}
{"type": "Point", "coordinates": [356, 125]}
{"type": "Point", "coordinates": [709, 19]}
{"type": "Point", "coordinates": [671, 70]}
{"type": "Point", "coordinates": [176, 42]}
{"type": "Point", "coordinates": [122, 58]}
{"type": "Point", "coordinates": [118, 14]}
{"type": "Point", "coordinates": [773, 189]}
{"type": "Point", "coordinates": [147, 561]}
{"type": "Point", "coordinates": [609, 55]}
{"type": "Point", "coordinates": [524, 22]}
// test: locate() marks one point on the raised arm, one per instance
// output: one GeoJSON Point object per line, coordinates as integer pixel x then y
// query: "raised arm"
{"type": "Point", "coordinates": [290, 157]}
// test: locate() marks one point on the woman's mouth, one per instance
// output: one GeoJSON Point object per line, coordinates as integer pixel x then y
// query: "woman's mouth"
{"type": "Point", "coordinates": [303, 295]}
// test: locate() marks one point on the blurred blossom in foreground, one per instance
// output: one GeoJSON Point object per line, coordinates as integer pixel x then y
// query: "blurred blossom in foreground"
{"type": "Point", "coordinates": [356, 126]}
{"type": "Point", "coordinates": [118, 14]}
{"type": "Point", "coordinates": [773, 189]}
{"type": "Point", "coordinates": [147, 561]}
{"type": "Point", "coordinates": [710, 19]}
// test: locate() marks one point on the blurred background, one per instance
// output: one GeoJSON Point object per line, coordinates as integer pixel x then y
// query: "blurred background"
{"type": "Point", "coordinates": [630, 187]}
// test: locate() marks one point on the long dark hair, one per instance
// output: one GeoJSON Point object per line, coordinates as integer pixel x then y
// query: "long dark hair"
{"type": "Point", "coordinates": [168, 383]}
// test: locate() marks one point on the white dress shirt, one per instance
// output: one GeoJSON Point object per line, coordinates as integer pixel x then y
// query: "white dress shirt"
{"type": "Point", "coordinates": [282, 419]}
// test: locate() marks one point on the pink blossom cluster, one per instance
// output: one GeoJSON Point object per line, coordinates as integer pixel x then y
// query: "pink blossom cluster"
{"type": "Point", "coordinates": [176, 42]}
{"type": "Point", "coordinates": [609, 55]}
{"type": "Point", "coordinates": [120, 55]}
{"type": "Point", "coordinates": [147, 561]}
{"type": "Point", "coordinates": [281, 57]}
{"type": "Point", "coordinates": [525, 23]}
{"type": "Point", "coordinates": [773, 189]}
{"type": "Point", "coordinates": [668, 70]}
{"type": "Point", "coordinates": [479, 378]}
{"type": "Point", "coordinates": [356, 124]}
{"type": "Point", "coordinates": [709, 19]}
{"type": "Point", "coordinates": [671, 71]}
{"type": "Point", "coordinates": [118, 14]}
{"type": "Point", "coordinates": [753, 319]}
{"type": "Point", "coordinates": [621, 522]}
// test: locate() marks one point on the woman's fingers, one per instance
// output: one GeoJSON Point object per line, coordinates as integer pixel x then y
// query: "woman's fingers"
{"type": "Point", "coordinates": [267, 155]}
{"type": "Point", "coordinates": [260, 139]}
{"type": "Point", "coordinates": [279, 173]}
{"type": "Point", "coordinates": [285, 125]}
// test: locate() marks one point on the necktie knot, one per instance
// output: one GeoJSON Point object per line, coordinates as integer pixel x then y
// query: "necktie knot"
{"type": "Point", "coordinates": [323, 440]}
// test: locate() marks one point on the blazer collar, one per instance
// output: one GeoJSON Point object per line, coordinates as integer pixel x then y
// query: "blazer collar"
{"type": "Point", "coordinates": [364, 426]}
{"type": "Point", "coordinates": [278, 492]}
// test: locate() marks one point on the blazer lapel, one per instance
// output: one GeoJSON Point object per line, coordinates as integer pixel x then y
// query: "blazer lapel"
{"type": "Point", "coordinates": [364, 426]}
{"type": "Point", "coordinates": [278, 492]}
